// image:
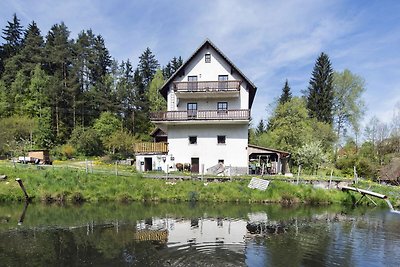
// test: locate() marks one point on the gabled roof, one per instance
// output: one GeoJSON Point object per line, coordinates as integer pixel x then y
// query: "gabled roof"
{"type": "Point", "coordinates": [251, 87]}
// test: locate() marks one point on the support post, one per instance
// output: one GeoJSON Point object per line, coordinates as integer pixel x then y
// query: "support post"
{"type": "Point", "coordinates": [19, 181]}
{"type": "Point", "coordinates": [298, 174]}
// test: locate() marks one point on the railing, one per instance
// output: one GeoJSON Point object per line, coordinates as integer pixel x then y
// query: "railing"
{"type": "Point", "coordinates": [151, 147]}
{"type": "Point", "coordinates": [238, 114]}
{"type": "Point", "coordinates": [207, 86]}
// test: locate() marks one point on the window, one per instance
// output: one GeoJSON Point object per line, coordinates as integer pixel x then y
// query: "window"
{"type": "Point", "coordinates": [221, 139]}
{"type": "Point", "coordinates": [208, 58]}
{"type": "Point", "coordinates": [222, 107]}
{"type": "Point", "coordinates": [192, 83]}
{"type": "Point", "coordinates": [192, 140]}
{"type": "Point", "coordinates": [222, 82]}
{"type": "Point", "coordinates": [191, 110]}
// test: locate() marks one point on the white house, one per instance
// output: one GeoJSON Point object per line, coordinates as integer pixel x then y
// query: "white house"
{"type": "Point", "coordinates": [207, 118]}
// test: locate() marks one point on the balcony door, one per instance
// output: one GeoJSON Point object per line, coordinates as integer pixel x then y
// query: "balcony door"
{"type": "Point", "coordinates": [192, 83]}
{"type": "Point", "coordinates": [222, 82]}
{"type": "Point", "coordinates": [191, 110]}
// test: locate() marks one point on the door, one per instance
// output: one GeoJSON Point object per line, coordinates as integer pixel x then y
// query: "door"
{"type": "Point", "coordinates": [222, 82]}
{"type": "Point", "coordinates": [148, 164]}
{"type": "Point", "coordinates": [192, 110]}
{"type": "Point", "coordinates": [195, 165]}
{"type": "Point", "coordinates": [192, 83]}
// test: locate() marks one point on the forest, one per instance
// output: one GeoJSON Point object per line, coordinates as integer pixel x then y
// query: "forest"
{"type": "Point", "coordinates": [69, 95]}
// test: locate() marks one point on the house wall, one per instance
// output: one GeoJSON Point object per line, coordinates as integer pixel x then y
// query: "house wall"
{"type": "Point", "coordinates": [157, 162]}
{"type": "Point", "coordinates": [208, 72]}
{"type": "Point", "coordinates": [234, 152]}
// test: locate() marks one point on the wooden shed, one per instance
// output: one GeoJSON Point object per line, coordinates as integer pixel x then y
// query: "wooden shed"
{"type": "Point", "coordinates": [42, 155]}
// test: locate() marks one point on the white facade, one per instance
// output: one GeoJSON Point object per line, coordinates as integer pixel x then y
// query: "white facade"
{"type": "Point", "coordinates": [207, 123]}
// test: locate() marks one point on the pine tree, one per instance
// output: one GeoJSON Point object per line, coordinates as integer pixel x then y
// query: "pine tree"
{"type": "Point", "coordinates": [286, 94]}
{"type": "Point", "coordinates": [126, 94]}
{"type": "Point", "coordinates": [320, 91]}
{"type": "Point", "coordinates": [172, 66]}
{"type": "Point", "coordinates": [58, 64]}
{"type": "Point", "coordinates": [260, 128]}
{"type": "Point", "coordinates": [12, 34]}
{"type": "Point", "coordinates": [32, 52]}
{"type": "Point", "coordinates": [147, 67]}
{"type": "Point", "coordinates": [10, 61]}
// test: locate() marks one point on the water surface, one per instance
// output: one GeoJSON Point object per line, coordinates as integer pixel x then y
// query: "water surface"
{"type": "Point", "coordinates": [187, 234]}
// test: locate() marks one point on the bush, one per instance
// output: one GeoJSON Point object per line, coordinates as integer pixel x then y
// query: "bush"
{"type": "Point", "coordinates": [68, 151]}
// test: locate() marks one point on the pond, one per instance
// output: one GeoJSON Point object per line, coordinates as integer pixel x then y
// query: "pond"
{"type": "Point", "coordinates": [189, 234]}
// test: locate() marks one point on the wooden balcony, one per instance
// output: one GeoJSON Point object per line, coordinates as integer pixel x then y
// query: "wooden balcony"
{"type": "Point", "coordinates": [196, 115]}
{"type": "Point", "coordinates": [151, 148]}
{"type": "Point", "coordinates": [207, 86]}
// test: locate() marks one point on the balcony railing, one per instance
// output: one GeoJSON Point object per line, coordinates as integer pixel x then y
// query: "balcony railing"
{"type": "Point", "coordinates": [187, 115]}
{"type": "Point", "coordinates": [151, 148]}
{"type": "Point", "coordinates": [207, 86]}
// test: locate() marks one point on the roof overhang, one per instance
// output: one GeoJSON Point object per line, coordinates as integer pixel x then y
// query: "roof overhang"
{"type": "Point", "coordinates": [252, 149]}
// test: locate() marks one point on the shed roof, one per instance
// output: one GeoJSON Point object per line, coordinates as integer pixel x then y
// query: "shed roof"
{"type": "Point", "coordinates": [253, 149]}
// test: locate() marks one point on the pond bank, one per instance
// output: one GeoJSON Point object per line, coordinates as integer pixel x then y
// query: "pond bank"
{"type": "Point", "coordinates": [62, 185]}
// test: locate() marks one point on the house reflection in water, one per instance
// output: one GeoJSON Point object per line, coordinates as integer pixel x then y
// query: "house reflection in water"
{"type": "Point", "coordinates": [206, 240]}
{"type": "Point", "coordinates": [194, 231]}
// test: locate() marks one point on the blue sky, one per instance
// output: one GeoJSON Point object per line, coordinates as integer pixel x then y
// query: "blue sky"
{"type": "Point", "coordinates": [270, 41]}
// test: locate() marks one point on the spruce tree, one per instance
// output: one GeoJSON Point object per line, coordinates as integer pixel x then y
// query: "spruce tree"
{"type": "Point", "coordinates": [286, 94]}
{"type": "Point", "coordinates": [172, 66]}
{"type": "Point", "coordinates": [320, 91]}
{"type": "Point", "coordinates": [12, 34]}
{"type": "Point", "coordinates": [260, 128]}
{"type": "Point", "coordinates": [147, 67]}
{"type": "Point", "coordinates": [32, 52]}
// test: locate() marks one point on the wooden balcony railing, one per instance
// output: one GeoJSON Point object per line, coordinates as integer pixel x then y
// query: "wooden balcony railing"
{"type": "Point", "coordinates": [151, 148]}
{"type": "Point", "coordinates": [238, 114]}
{"type": "Point", "coordinates": [207, 86]}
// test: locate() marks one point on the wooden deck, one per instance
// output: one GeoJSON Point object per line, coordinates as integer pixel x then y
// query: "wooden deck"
{"type": "Point", "coordinates": [151, 147]}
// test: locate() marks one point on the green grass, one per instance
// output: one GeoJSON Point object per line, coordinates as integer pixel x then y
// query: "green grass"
{"type": "Point", "coordinates": [65, 184]}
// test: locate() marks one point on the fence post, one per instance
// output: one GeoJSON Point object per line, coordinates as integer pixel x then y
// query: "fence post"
{"type": "Point", "coordinates": [116, 168]}
{"type": "Point", "coordinates": [86, 165]}
{"type": "Point", "coordinates": [298, 174]}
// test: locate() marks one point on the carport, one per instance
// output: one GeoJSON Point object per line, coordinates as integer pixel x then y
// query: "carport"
{"type": "Point", "coordinates": [267, 161]}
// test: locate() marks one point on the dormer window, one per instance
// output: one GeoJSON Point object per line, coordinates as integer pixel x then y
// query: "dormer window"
{"type": "Point", "coordinates": [207, 58]}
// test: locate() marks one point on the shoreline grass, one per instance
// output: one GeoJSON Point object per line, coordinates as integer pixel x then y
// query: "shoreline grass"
{"type": "Point", "coordinates": [74, 185]}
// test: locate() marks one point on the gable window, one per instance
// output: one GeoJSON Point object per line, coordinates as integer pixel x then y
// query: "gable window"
{"type": "Point", "coordinates": [192, 83]}
{"type": "Point", "coordinates": [193, 140]}
{"type": "Point", "coordinates": [191, 110]}
{"type": "Point", "coordinates": [221, 139]}
{"type": "Point", "coordinates": [207, 58]}
{"type": "Point", "coordinates": [222, 107]}
{"type": "Point", "coordinates": [222, 82]}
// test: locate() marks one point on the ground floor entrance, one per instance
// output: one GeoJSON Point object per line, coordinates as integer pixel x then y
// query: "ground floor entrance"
{"type": "Point", "coordinates": [148, 164]}
{"type": "Point", "coordinates": [195, 162]}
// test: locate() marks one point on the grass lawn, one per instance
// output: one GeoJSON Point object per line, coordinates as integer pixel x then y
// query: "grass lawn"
{"type": "Point", "coordinates": [74, 182]}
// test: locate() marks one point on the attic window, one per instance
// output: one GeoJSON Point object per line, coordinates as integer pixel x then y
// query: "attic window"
{"type": "Point", "coordinates": [208, 58]}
